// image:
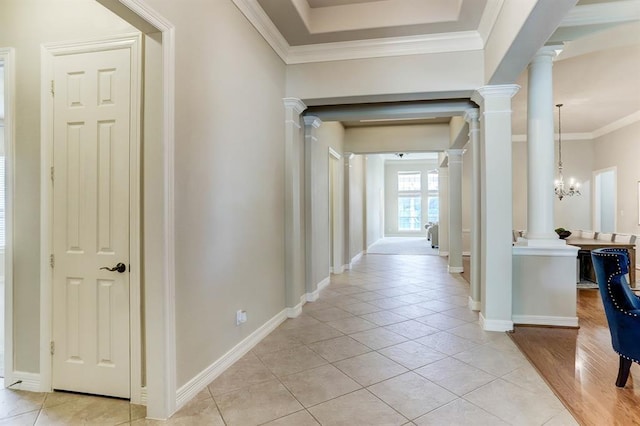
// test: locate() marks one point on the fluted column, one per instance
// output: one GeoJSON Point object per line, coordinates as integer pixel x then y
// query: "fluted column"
{"type": "Point", "coordinates": [540, 148]}
{"type": "Point", "coordinates": [471, 116]}
{"type": "Point", "coordinates": [294, 261]}
{"type": "Point", "coordinates": [311, 124]}
{"type": "Point", "coordinates": [496, 205]}
{"type": "Point", "coordinates": [455, 210]}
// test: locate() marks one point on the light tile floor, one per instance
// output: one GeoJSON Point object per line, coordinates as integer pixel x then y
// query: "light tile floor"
{"type": "Point", "coordinates": [390, 342]}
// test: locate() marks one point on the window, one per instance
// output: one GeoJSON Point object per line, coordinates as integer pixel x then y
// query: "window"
{"type": "Point", "coordinates": [433, 198]}
{"type": "Point", "coordinates": [409, 201]}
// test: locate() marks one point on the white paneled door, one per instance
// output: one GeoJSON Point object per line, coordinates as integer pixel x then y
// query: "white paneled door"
{"type": "Point", "coordinates": [90, 175]}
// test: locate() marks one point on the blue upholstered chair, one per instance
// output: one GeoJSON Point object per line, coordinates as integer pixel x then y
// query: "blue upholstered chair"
{"type": "Point", "coordinates": [621, 306]}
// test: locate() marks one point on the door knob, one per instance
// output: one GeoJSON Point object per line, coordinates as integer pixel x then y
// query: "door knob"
{"type": "Point", "coordinates": [120, 267]}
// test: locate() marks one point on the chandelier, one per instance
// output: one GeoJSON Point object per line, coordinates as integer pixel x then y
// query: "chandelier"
{"type": "Point", "coordinates": [561, 189]}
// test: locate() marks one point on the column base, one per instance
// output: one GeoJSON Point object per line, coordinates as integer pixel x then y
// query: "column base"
{"type": "Point", "coordinates": [455, 269]}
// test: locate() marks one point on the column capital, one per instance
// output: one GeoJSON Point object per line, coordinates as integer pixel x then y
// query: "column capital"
{"type": "Point", "coordinates": [471, 115]}
{"type": "Point", "coordinates": [294, 104]}
{"type": "Point", "coordinates": [548, 51]}
{"type": "Point", "coordinates": [455, 154]}
{"type": "Point", "coordinates": [312, 121]}
{"type": "Point", "coordinates": [494, 91]}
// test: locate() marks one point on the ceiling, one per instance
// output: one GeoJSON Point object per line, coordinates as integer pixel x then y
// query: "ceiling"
{"type": "Point", "coordinates": [596, 76]}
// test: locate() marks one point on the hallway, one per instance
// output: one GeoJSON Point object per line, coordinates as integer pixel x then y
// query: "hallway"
{"type": "Point", "coordinates": [390, 342]}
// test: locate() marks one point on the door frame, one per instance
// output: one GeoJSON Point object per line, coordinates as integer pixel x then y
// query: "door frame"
{"type": "Point", "coordinates": [595, 203]}
{"type": "Point", "coordinates": [7, 57]}
{"type": "Point", "coordinates": [132, 42]}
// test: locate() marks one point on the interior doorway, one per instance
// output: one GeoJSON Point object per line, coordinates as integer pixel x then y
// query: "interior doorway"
{"type": "Point", "coordinates": [605, 200]}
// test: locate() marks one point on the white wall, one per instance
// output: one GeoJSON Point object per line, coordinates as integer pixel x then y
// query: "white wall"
{"type": "Point", "coordinates": [417, 138]}
{"type": "Point", "coordinates": [622, 149]}
{"type": "Point", "coordinates": [25, 25]}
{"type": "Point", "coordinates": [330, 135]}
{"type": "Point", "coordinates": [391, 169]}
{"type": "Point", "coordinates": [374, 198]}
{"type": "Point", "coordinates": [438, 72]}
{"type": "Point", "coordinates": [571, 212]}
{"type": "Point", "coordinates": [229, 180]}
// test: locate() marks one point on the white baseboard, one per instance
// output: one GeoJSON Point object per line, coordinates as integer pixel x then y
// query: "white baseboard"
{"type": "Point", "coordinates": [545, 320]}
{"type": "Point", "coordinates": [495, 325]}
{"type": "Point", "coordinates": [474, 305]}
{"type": "Point", "coordinates": [143, 395]}
{"type": "Point", "coordinates": [296, 310]}
{"type": "Point", "coordinates": [443, 253]}
{"type": "Point", "coordinates": [324, 283]}
{"type": "Point", "coordinates": [312, 297]}
{"type": "Point", "coordinates": [28, 381]}
{"type": "Point", "coordinates": [455, 269]}
{"type": "Point", "coordinates": [189, 390]}
{"type": "Point", "coordinates": [355, 259]}
{"type": "Point", "coordinates": [466, 253]}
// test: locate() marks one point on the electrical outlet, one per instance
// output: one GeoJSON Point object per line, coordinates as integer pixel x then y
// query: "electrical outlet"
{"type": "Point", "coordinates": [241, 317]}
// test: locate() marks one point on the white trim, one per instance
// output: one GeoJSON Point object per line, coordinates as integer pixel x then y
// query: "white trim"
{"type": "Point", "coordinates": [259, 19]}
{"type": "Point", "coordinates": [160, 303]}
{"type": "Point", "coordinates": [28, 381]}
{"type": "Point", "coordinates": [143, 395]}
{"type": "Point", "coordinates": [324, 283]}
{"type": "Point", "coordinates": [312, 297]}
{"type": "Point", "coordinates": [455, 269]}
{"type": "Point", "coordinates": [295, 311]}
{"type": "Point", "coordinates": [385, 47]}
{"type": "Point", "coordinates": [443, 253]}
{"type": "Point", "coordinates": [474, 305]}
{"type": "Point", "coordinates": [586, 136]}
{"type": "Point", "coordinates": [595, 213]}
{"type": "Point", "coordinates": [495, 325]}
{"type": "Point", "coordinates": [359, 49]}
{"type": "Point", "coordinates": [133, 43]}
{"type": "Point", "coordinates": [602, 13]}
{"type": "Point", "coordinates": [190, 389]}
{"type": "Point", "coordinates": [334, 154]}
{"type": "Point", "coordinates": [617, 125]}
{"type": "Point", "coordinates": [545, 320]}
{"type": "Point", "coordinates": [466, 253]}
{"type": "Point", "coordinates": [552, 251]}
{"type": "Point", "coordinates": [355, 259]}
{"type": "Point", "coordinates": [7, 56]}
{"type": "Point", "coordinates": [489, 18]}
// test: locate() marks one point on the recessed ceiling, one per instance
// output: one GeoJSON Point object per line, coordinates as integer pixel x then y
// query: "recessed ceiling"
{"type": "Point", "coordinates": [304, 22]}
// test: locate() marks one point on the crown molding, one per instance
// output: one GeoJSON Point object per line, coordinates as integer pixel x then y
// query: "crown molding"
{"type": "Point", "coordinates": [361, 49]}
{"type": "Point", "coordinates": [603, 13]}
{"type": "Point", "coordinates": [489, 18]}
{"type": "Point", "coordinates": [604, 130]}
{"type": "Point", "coordinates": [617, 125]}
{"type": "Point", "coordinates": [259, 19]}
{"type": "Point", "coordinates": [384, 47]}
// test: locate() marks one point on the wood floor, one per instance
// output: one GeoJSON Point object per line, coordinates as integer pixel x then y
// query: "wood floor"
{"type": "Point", "coordinates": [581, 366]}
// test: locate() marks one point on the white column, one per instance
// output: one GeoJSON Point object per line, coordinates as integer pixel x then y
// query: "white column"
{"type": "Point", "coordinates": [443, 220]}
{"type": "Point", "coordinates": [311, 124]}
{"type": "Point", "coordinates": [471, 116]}
{"type": "Point", "coordinates": [294, 259]}
{"type": "Point", "coordinates": [496, 205]}
{"type": "Point", "coordinates": [544, 267]}
{"type": "Point", "coordinates": [540, 147]}
{"type": "Point", "coordinates": [346, 214]}
{"type": "Point", "coordinates": [455, 210]}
